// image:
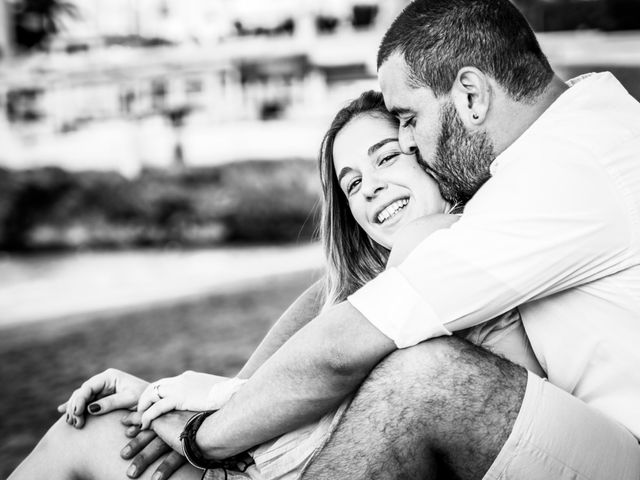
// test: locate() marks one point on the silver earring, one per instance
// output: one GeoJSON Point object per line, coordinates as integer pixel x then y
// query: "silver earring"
{"type": "Point", "coordinates": [475, 116]}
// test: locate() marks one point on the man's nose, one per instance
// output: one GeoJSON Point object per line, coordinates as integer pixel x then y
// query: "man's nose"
{"type": "Point", "coordinates": [406, 140]}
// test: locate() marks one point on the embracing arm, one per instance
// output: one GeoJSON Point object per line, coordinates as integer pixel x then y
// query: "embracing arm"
{"type": "Point", "coordinates": [308, 376]}
{"type": "Point", "coordinates": [503, 335]}
{"type": "Point", "coordinates": [312, 373]}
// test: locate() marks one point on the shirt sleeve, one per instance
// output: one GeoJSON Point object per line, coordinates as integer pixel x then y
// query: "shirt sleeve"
{"type": "Point", "coordinates": [537, 227]}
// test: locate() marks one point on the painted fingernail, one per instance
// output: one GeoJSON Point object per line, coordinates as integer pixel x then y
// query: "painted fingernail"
{"type": "Point", "coordinates": [156, 476]}
{"type": "Point", "coordinates": [126, 451]}
{"type": "Point", "coordinates": [94, 408]}
{"type": "Point", "coordinates": [131, 471]}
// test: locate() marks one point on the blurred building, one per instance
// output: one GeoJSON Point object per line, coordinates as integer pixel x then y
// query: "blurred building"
{"type": "Point", "coordinates": [219, 60]}
{"type": "Point", "coordinates": [214, 62]}
{"type": "Point", "coordinates": [241, 59]}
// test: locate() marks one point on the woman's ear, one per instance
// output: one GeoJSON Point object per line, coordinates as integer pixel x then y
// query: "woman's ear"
{"type": "Point", "coordinates": [471, 94]}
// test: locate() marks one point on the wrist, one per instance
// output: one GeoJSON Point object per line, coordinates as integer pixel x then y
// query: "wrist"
{"type": "Point", "coordinates": [207, 442]}
{"type": "Point", "coordinates": [202, 457]}
{"type": "Point", "coordinates": [221, 392]}
{"type": "Point", "coordinates": [212, 442]}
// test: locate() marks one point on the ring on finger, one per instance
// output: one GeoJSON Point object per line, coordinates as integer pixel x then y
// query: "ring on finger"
{"type": "Point", "coordinates": [156, 390]}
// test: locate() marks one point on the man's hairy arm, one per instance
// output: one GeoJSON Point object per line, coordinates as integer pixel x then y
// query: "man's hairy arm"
{"type": "Point", "coordinates": [311, 374]}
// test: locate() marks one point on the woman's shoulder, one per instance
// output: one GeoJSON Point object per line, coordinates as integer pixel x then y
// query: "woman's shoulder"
{"type": "Point", "coordinates": [411, 235]}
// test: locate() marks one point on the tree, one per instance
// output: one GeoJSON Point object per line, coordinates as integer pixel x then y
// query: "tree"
{"type": "Point", "coordinates": [35, 22]}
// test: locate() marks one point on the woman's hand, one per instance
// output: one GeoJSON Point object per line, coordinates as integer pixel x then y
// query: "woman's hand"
{"type": "Point", "coordinates": [188, 391]}
{"type": "Point", "coordinates": [102, 393]}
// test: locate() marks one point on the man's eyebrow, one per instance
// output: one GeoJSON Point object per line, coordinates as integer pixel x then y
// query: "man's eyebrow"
{"type": "Point", "coordinates": [343, 172]}
{"type": "Point", "coordinates": [380, 144]}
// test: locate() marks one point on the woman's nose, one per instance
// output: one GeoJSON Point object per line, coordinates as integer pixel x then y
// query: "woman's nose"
{"type": "Point", "coordinates": [406, 140]}
{"type": "Point", "coordinates": [372, 185]}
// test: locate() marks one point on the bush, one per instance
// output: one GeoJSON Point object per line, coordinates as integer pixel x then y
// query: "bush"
{"type": "Point", "coordinates": [257, 201]}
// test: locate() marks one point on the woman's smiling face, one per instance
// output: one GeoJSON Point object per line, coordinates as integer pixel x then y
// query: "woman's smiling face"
{"type": "Point", "coordinates": [385, 188]}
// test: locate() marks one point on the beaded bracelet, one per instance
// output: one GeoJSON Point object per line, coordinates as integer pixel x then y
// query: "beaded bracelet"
{"type": "Point", "coordinates": [194, 455]}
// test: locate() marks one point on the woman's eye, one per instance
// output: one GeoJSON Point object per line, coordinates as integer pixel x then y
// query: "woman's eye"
{"type": "Point", "coordinates": [387, 158]}
{"type": "Point", "coordinates": [352, 186]}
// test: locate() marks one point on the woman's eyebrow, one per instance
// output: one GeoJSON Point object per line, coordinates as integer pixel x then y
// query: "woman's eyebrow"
{"type": "Point", "coordinates": [343, 172]}
{"type": "Point", "coordinates": [380, 144]}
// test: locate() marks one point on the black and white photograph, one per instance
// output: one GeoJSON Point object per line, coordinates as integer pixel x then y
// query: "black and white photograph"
{"type": "Point", "coordinates": [320, 239]}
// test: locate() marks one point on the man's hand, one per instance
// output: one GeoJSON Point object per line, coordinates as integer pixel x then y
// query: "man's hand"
{"type": "Point", "coordinates": [102, 393]}
{"type": "Point", "coordinates": [145, 447]}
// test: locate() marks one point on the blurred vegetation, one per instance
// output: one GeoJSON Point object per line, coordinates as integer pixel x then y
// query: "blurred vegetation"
{"type": "Point", "coordinates": [253, 201]}
{"type": "Point", "coordinates": [36, 22]}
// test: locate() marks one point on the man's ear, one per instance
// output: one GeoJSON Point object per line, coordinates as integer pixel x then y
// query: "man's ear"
{"type": "Point", "coordinates": [471, 94]}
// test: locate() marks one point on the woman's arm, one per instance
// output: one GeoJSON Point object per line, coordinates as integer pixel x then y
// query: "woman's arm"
{"type": "Point", "coordinates": [304, 309]}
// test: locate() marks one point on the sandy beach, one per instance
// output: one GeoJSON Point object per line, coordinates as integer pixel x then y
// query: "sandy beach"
{"type": "Point", "coordinates": [62, 285]}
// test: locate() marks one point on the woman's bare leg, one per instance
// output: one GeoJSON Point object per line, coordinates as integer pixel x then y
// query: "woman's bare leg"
{"type": "Point", "coordinates": [92, 453]}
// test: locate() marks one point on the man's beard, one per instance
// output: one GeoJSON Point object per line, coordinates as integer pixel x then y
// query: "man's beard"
{"type": "Point", "coordinates": [462, 159]}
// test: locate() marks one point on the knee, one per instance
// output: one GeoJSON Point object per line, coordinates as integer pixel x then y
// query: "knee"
{"type": "Point", "coordinates": [56, 437]}
{"type": "Point", "coordinates": [441, 370]}
{"type": "Point", "coordinates": [431, 360]}
{"type": "Point", "coordinates": [70, 451]}
{"type": "Point", "coordinates": [50, 454]}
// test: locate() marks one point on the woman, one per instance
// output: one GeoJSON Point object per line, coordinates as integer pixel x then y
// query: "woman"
{"type": "Point", "coordinates": [375, 198]}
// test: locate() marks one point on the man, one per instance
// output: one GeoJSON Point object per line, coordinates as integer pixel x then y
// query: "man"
{"type": "Point", "coordinates": [551, 174]}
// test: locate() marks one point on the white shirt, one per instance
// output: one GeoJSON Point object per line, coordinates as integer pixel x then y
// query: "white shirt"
{"type": "Point", "coordinates": [557, 228]}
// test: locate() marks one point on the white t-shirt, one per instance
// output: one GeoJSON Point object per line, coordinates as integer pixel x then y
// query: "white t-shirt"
{"type": "Point", "coordinates": [556, 228]}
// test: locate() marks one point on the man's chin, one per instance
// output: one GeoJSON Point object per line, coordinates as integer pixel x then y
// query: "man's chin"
{"type": "Point", "coordinates": [433, 173]}
{"type": "Point", "coordinates": [451, 194]}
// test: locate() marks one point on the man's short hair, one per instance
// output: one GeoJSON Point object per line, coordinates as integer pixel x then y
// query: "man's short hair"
{"type": "Point", "coordinates": [439, 37]}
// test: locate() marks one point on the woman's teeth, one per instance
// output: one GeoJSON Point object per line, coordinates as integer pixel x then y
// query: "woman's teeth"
{"type": "Point", "coordinates": [391, 210]}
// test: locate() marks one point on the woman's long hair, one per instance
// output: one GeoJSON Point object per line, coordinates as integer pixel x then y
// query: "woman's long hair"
{"type": "Point", "coordinates": [352, 257]}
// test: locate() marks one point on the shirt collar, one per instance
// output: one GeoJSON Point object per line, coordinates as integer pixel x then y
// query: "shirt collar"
{"type": "Point", "coordinates": [575, 85]}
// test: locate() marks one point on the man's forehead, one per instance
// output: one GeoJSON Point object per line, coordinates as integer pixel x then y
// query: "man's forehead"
{"type": "Point", "coordinates": [401, 96]}
{"type": "Point", "coordinates": [394, 83]}
{"type": "Point", "coordinates": [392, 74]}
